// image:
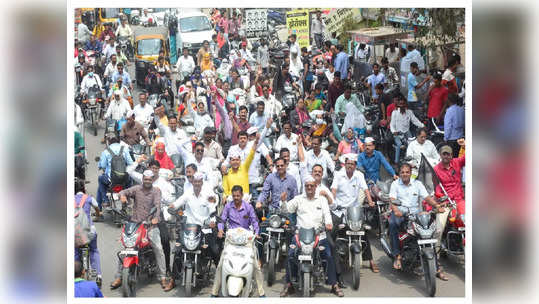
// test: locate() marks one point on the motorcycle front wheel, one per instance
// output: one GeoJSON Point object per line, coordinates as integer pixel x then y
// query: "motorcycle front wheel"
{"type": "Point", "coordinates": [188, 282]}
{"type": "Point", "coordinates": [429, 269]}
{"type": "Point", "coordinates": [356, 271]}
{"type": "Point", "coordinates": [306, 285]}
{"type": "Point", "coordinates": [271, 267]}
{"type": "Point", "coordinates": [129, 283]}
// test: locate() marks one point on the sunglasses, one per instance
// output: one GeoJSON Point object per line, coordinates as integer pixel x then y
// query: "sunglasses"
{"type": "Point", "coordinates": [199, 150]}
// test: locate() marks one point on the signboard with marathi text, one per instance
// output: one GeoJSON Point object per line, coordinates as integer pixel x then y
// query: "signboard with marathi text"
{"type": "Point", "coordinates": [297, 22]}
{"type": "Point", "coordinates": [334, 20]}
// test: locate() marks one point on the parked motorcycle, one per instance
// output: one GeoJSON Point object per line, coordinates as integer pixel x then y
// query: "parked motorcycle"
{"type": "Point", "coordinates": [416, 242]}
{"type": "Point", "coordinates": [137, 257]}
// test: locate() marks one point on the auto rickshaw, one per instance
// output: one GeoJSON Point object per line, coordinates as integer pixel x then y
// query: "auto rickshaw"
{"type": "Point", "coordinates": [108, 15]}
{"type": "Point", "coordinates": [148, 43]}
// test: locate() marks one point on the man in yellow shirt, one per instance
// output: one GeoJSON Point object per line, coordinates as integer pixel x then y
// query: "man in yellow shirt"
{"type": "Point", "coordinates": [239, 173]}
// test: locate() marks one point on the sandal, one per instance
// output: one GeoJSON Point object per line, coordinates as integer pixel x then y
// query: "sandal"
{"type": "Point", "coordinates": [441, 275]}
{"type": "Point", "coordinates": [374, 267]}
{"type": "Point", "coordinates": [337, 291]}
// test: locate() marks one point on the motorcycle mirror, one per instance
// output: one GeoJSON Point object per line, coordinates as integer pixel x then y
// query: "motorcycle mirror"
{"type": "Point", "coordinates": [97, 158]}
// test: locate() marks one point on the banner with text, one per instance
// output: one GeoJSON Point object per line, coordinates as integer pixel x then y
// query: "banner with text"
{"type": "Point", "coordinates": [297, 22]}
{"type": "Point", "coordinates": [334, 20]}
{"type": "Point", "coordinates": [256, 22]}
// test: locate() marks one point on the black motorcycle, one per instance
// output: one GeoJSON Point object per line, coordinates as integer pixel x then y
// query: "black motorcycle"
{"type": "Point", "coordinates": [192, 256]}
{"type": "Point", "coordinates": [92, 107]}
{"type": "Point", "coordinates": [311, 267]}
{"type": "Point", "coordinates": [276, 239]}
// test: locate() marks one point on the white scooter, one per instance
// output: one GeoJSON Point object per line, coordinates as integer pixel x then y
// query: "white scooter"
{"type": "Point", "coordinates": [238, 268]}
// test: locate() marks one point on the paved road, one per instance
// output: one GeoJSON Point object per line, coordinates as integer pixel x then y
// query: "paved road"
{"type": "Point", "coordinates": [387, 283]}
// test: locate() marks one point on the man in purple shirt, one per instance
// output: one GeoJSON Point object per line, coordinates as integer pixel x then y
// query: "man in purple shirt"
{"type": "Point", "coordinates": [239, 214]}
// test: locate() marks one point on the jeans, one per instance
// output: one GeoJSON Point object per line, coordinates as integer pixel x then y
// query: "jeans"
{"type": "Point", "coordinates": [103, 186]}
{"type": "Point", "coordinates": [94, 256]}
{"type": "Point", "coordinates": [398, 144]}
{"type": "Point", "coordinates": [319, 40]}
{"type": "Point", "coordinates": [292, 265]}
{"type": "Point", "coordinates": [155, 241]}
{"type": "Point", "coordinates": [394, 227]}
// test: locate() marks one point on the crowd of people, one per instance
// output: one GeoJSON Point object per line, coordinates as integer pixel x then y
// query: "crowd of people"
{"type": "Point", "coordinates": [242, 149]}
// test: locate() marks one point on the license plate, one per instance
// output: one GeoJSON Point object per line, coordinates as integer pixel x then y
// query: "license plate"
{"type": "Point", "coordinates": [275, 229]}
{"type": "Point", "coordinates": [462, 228]}
{"type": "Point", "coordinates": [129, 252]}
{"type": "Point", "coordinates": [304, 257]}
{"type": "Point", "coordinates": [206, 230]}
{"type": "Point", "coordinates": [431, 241]}
{"type": "Point", "coordinates": [116, 196]}
{"type": "Point", "coordinates": [348, 232]}
{"type": "Point", "coordinates": [194, 252]}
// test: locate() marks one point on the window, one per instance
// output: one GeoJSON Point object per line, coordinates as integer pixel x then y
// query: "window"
{"type": "Point", "coordinates": [149, 47]}
{"type": "Point", "coordinates": [195, 24]}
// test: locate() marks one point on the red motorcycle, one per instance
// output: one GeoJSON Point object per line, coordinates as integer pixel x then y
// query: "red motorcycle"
{"type": "Point", "coordinates": [454, 237]}
{"type": "Point", "coordinates": [137, 256]}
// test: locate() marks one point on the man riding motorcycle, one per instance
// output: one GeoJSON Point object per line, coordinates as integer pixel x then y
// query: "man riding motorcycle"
{"type": "Point", "coordinates": [145, 197]}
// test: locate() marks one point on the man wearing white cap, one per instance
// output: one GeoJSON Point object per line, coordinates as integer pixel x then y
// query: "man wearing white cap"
{"type": "Point", "coordinates": [132, 131]}
{"type": "Point", "coordinates": [118, 107]}
{"type": "Point", "coordinates": [145, 197]}
{"type": "Point", "coordinates": [350, 189]}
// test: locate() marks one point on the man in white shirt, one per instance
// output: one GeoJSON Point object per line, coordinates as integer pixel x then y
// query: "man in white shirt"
{"type": "Point", "coordinates": [295, 63]}
{"type": "Point", "coordinates": [90, 80]}
{"type": "Point", "coordinates": [83, 33]}
{"type": "Point", "coordinates": [186, 65]}
{"type": "Point", "coordinates": [287, 140]}
{"type": "Point", "coordinates": [350, 189]}
{"type": "Point", "coordinates": [361, 52]}
{"type": "Point", "coordinates": [400, 125]}
{"type": "Point", "coordinates": [143, 111]}
{"type": "Point", "coordinates": [205, 165]}
{"type": "Point", "coordinates": [317, 29]}
{"type": "Point", "coordinates": [312, 212]}
{"type": "Point", "coordinates": [254, 170]}
{"type": "Point", "coordinates": [118, 107]}
{"type": "Point", "coordinates": [422, 146]}
{"type": "Point", "coordinates": [110, 48]}
{"type": "Point", "coordinates": [271, 105]}
{"type": "Point", "coordinates": [317, 172]}
{"type": "Point", "coordinates": [124, 30]}
{"type": "Point", "coordinates": [172, 134]}
{"type": "Point", "coordinates": [111, 67]}
{"type": "Point", "coordinates": [317, 156]}
{"type": "Point", "coordinates": [201, 117]}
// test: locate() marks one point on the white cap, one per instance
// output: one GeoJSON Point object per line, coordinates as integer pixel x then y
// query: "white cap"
{"type": "Point", "coordinates": [117, 92]}
{"type": "Point", "coordinates": [348, 156]}
{"type": "Point", "coordinates": [252, 130]}
{"type": "Point", "coordinates": [234, 154]}
{"type": "Point", "coordinates": [309, 179]}
{"type": "Point", "coordinates": [369, 140]}
{"type": "Point", "coordinates": [148, 173]}
{"type": "Point", "coordinates": [316, 113]}
{"type": "Point", "coordinates": [198, 176]}
{"type": "Point", "coordinates": [130, 113]}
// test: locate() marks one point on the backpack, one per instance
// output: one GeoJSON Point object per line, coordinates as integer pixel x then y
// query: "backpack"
{"type": "Point", "coordinates": [118, 168]}
{"type": "Point", "coordinates": [82, 224]}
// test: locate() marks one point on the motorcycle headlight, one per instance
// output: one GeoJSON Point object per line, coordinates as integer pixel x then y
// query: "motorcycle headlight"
{"type": "Point", "coordinates": [275, 221]}
{"type": "Point", "coordinates": [92, 101]}
{"type": "Point", "coordinates": [306, 249]}
{"type": "Point", "coordinates": [190, 243]}
{"type": "Point", "coordinates": [425, 233]}
{"type": "Point", "coordinates": [130, 241]}
{"type": "Point", "coordinates": [355, 226]}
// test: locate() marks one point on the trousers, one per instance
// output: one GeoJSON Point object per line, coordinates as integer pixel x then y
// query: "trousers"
{"type": "Point", "coordinates": [155, 241]}
{"type": "Point", "coordinates": [398, 143]}
{"type": "Point", "coordinates": [94, 256]}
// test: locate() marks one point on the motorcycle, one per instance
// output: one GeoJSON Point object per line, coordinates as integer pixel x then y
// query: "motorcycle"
{"type": "Point", "coordinates": [137, 256]}
{"type": "Point", "coordinates": [192, 257]}
{"type": "Point", "coordinates": [307, 255]}
{"type": "Point", "coordinates": [416, 242]}
{"type": "Point", "coordinates": [349, 243]}
{"type": "Point", "coordinates": [125, 44]}
{"type": "Point", "coordinates": [454, 236]}
{"type": "Point", "coordinates": [277, 238]}
{"type": "Point", "coordinates": [289, 98]}
{"type": "Point", "coordinates": [93, 107]}
{"type": "Point", "coordinates": [237, 261]}
{"type": "Point", "coordinates": [90, 274]}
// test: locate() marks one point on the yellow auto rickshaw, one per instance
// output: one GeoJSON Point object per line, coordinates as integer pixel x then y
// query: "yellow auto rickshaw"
{"type": "Point", "coordinates": [108, 15]}
{"type": "Point", "coordinates": [148, 43]}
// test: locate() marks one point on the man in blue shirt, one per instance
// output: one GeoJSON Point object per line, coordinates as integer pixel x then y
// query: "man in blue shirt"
{"type": "Point", "coordinates": [341, 62]}
{"type": "Point", "coordinates": [375, 78]}
{"type": "Point", "coordinates": [453, 123]}
{"type": "Point", "coordinates": [371, 160]}
{"type": "Point", "coordinates": [276, 184]}
{"type": "Point", "coordinates": [123, 74]}
{"type": "Point", "coordinates": [413, 85]}
{"type": "Point", "coordinates": [104, 163]}
{"type": "Point", "coordinates": [93, 45]}
{"type": "Point", "coordinates": [85, 289]}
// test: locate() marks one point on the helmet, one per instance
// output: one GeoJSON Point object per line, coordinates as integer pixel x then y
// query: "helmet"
{"type": "Point", "coordinates": [81, 55]}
